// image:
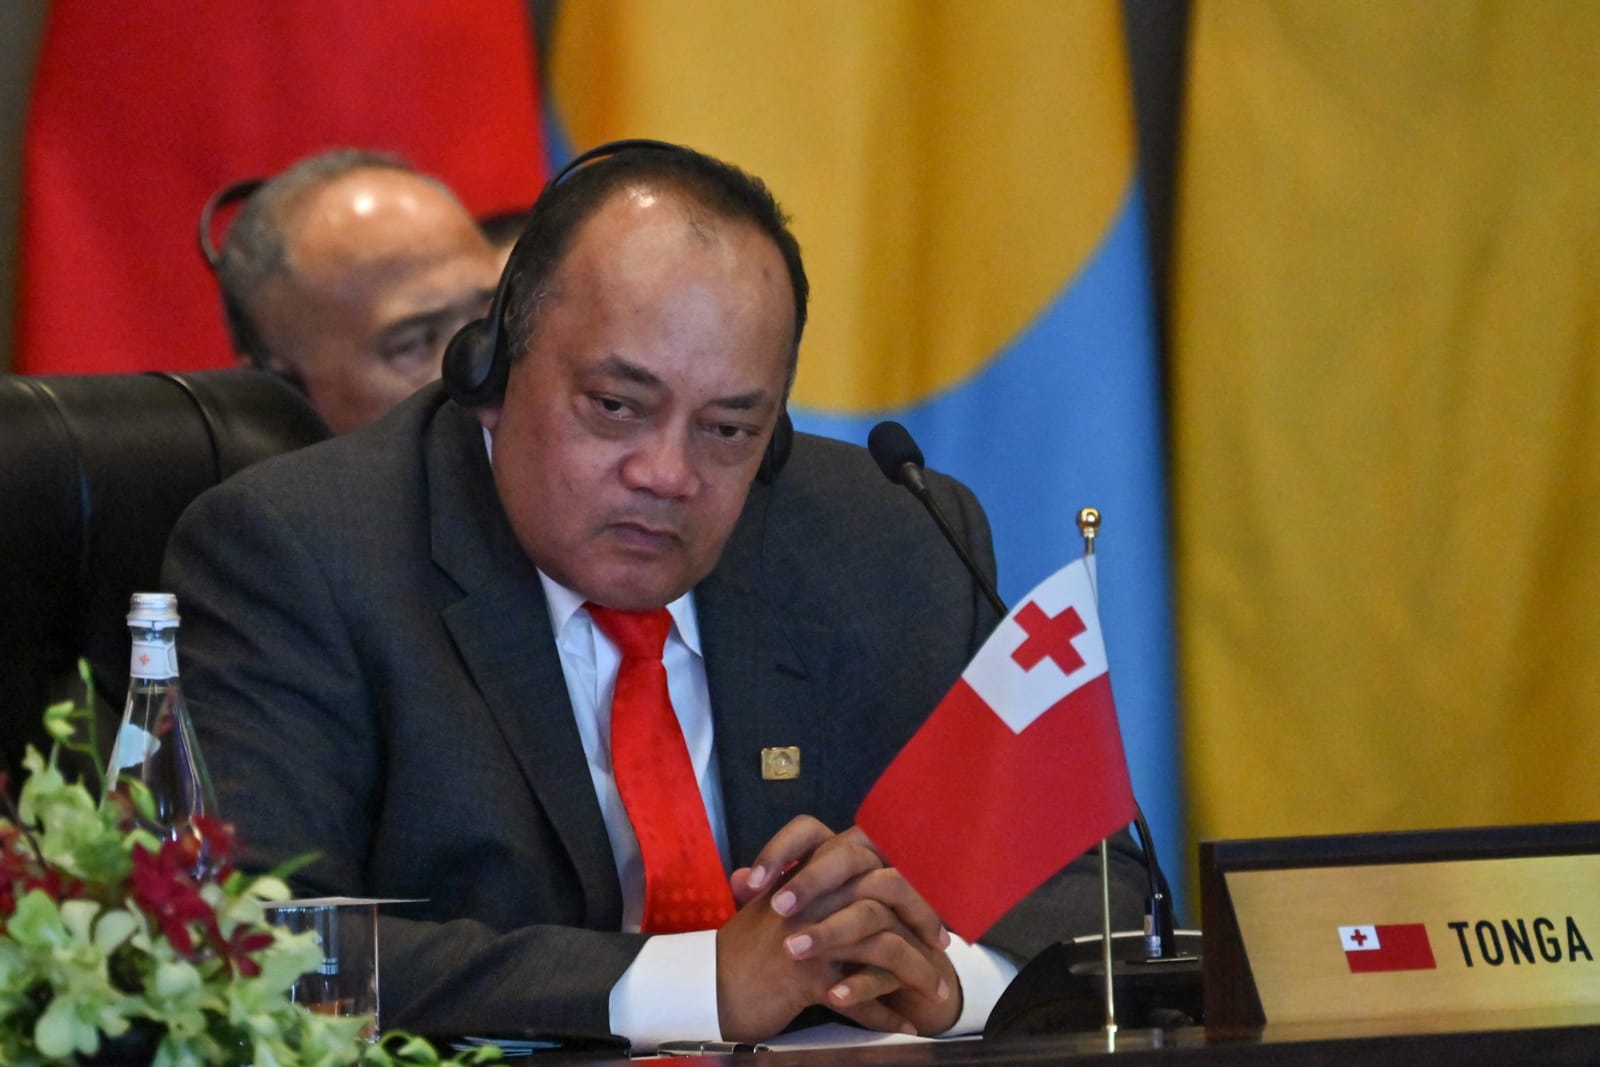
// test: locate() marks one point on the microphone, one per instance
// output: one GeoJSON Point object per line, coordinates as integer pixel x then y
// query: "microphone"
{"type": "Point", "coordinates": [898, 456]}
{"type": "Point", "coordinates": [900, 460]}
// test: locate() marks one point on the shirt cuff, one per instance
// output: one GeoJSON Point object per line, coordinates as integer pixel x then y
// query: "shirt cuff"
{"type": "Point", "coordinates": [984, 975]}
{"type": "Point", "coordinates": [669, 992]}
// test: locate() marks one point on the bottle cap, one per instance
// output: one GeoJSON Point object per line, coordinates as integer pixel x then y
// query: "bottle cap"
{"type": "Point", "coordinates": [153, 610]}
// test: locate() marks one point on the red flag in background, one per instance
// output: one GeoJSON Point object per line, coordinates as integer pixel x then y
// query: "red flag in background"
{"type": "Point", "coordinates": [140, 111]}
{"type": "Point", "coordinates": [1019, 770]}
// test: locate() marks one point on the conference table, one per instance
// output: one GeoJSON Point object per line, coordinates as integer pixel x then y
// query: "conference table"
{"type": "Point", "coordinates": [1545, 1036]}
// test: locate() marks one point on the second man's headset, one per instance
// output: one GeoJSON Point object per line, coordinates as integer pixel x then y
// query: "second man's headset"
{"type": "Point", "coordinates": [241, 332]}
{"type": "Point", "coordinates": [476, 363]}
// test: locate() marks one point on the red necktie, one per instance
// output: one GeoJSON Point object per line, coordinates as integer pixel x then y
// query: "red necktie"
{"type": "Point", "coordinates": [685, 887]}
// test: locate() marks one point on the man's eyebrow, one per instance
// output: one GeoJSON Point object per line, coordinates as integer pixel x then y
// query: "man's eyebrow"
{"type": "Point", "coordinates": [752, 401]}
{"type": "Point", "coordinates": [615, 365]}
{"type": "Point", "coordinates": [436, 315]}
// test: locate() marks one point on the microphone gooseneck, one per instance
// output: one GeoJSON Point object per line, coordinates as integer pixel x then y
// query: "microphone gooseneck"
{"type": "Point", "coordinates": [900, 460]}
{"type": "Point", "coordinates": [1160, 936]}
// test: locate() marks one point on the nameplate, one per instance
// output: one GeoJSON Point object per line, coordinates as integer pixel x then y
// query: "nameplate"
{"type": "Point", "coordinates": [1407, 925]}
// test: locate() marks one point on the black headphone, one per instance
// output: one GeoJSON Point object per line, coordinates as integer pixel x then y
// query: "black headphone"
{"type": "Point", "coordinates": [241, 333]}
{"type": "Point", "coordinates": [476, 364]}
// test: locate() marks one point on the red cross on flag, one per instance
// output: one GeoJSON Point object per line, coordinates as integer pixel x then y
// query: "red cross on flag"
{"type": "Point", "coordinates": [1017, 772]}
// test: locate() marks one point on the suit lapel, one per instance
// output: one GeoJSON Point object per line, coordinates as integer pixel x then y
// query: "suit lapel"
{"type": "Point", "coordinates": [501, 628]}
{"type": "Point", "coordinates": [765, 687]}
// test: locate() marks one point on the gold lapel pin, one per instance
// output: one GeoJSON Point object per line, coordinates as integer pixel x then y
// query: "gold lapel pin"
{"type": "Point", "coordinates": [780, 764]}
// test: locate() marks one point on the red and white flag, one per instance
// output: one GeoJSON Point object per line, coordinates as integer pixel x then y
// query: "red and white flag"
{"type": "Point", "coordinates": [1018, 771]}
{"type": "Point", "coordinates": [1396, 947]}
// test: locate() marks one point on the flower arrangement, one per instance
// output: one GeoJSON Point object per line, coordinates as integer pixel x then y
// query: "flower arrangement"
{"type": "Point", "coordinates": [107, 934]}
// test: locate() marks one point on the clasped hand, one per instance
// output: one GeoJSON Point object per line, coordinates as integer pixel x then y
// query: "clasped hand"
{"type": "Point", "coordinates": [823, 920]}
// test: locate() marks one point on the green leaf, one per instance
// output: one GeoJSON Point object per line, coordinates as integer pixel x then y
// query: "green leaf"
{"type": "Point", "coordinates": [114, 927]}
{"type": "Point", "coordinates": [13, 964]}
{"type": "Point", "coordinates": [54, 1031]}
{"type": "Point", "coordinates": [284, 870]}
{"type": "Point", "coordinates": [176, 980]}
{"type": "Point", "coordinates": [267, 887]}
{"type": "Point", "coordinates": [37, 922]}
{"type": "Point", "coordinates": [58, 721]}
{"type": "Point", "coordinates": [78, 917]}
{"type": "Point", "coordinates": [144, 802]}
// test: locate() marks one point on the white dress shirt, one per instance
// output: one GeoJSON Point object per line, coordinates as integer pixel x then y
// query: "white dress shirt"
{"type": "Point", "coordinates": [670, 990]}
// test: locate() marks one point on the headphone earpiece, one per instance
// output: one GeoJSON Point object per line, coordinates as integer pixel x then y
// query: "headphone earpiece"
{"type": "Point", "coordinates": [473, 372]}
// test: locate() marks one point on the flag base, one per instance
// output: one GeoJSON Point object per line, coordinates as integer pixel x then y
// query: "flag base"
{"type": "Point", "coordinates": [1061, 990]}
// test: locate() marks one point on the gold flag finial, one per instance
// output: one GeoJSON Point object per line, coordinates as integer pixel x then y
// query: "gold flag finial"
{"type": "Point", "coordinates": [1088, 526]}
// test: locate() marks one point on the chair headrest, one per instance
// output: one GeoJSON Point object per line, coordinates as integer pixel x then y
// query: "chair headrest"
{"type": "Point", "coordinates": [94, 471]}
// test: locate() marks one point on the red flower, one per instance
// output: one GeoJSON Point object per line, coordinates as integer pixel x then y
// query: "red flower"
{"type": "Point", "coordinates": [241, 948]}
{"type": "Point", "coordinates": [19, 868]}
{"type": "Point", "coordinates": [164, 889]}
{"type": "Point", "coordinates": [55, 885]}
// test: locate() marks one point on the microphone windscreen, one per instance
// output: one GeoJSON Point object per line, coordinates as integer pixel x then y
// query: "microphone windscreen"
{"type": "Point", "coordinates": [891, 445]}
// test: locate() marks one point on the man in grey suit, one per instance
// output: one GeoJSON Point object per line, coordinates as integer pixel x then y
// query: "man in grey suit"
{"type": "Point", "coordinates": [389, 649]}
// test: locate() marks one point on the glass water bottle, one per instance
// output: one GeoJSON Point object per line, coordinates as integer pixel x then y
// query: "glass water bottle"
{"type": "Point", "coordinates": [155, 743]}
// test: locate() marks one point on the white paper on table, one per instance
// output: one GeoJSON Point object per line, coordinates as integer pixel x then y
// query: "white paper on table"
{"type": "Point", "coordinates": [838, 1035]}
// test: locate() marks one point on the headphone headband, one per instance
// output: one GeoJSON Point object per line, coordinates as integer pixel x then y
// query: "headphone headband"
{"type": "Point", "coordinates": [475, 367]}
{"type": "Point", "coordinates": [232, 193]}
{"type": "Point", "coordinates": [495, 317]}
{"type": "Point", "coordinates": [241, 332]}
{"type": "Point", "coordinates": [611, 148]}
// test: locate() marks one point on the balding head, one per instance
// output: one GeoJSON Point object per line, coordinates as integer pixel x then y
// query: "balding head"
{"type": "Point", "coordinates": [352, 272]}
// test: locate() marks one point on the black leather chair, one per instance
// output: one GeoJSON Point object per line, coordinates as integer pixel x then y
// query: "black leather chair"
{"type": "Point", "coordinates": [94, 471]}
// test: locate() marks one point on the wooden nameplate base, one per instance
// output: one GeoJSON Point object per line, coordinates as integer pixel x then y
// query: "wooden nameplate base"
{"type": "Point", "coordinates": [1375, 926]}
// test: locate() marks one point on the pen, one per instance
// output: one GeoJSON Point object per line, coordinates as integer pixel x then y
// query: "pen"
{"type": "Point", "coordinates": [706, 1048]}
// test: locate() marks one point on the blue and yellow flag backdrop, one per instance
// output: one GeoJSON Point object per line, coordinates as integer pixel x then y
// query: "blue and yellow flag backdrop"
{"type": "Point", "coordinates": [962, 179]}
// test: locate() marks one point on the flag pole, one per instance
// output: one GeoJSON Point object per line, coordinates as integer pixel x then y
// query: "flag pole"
{"type": "Point", "coordinates": [1089, 527]}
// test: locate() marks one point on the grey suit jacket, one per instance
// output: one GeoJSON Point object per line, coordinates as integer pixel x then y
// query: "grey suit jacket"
{"type": "Point", "coordinates": [369, 660]}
